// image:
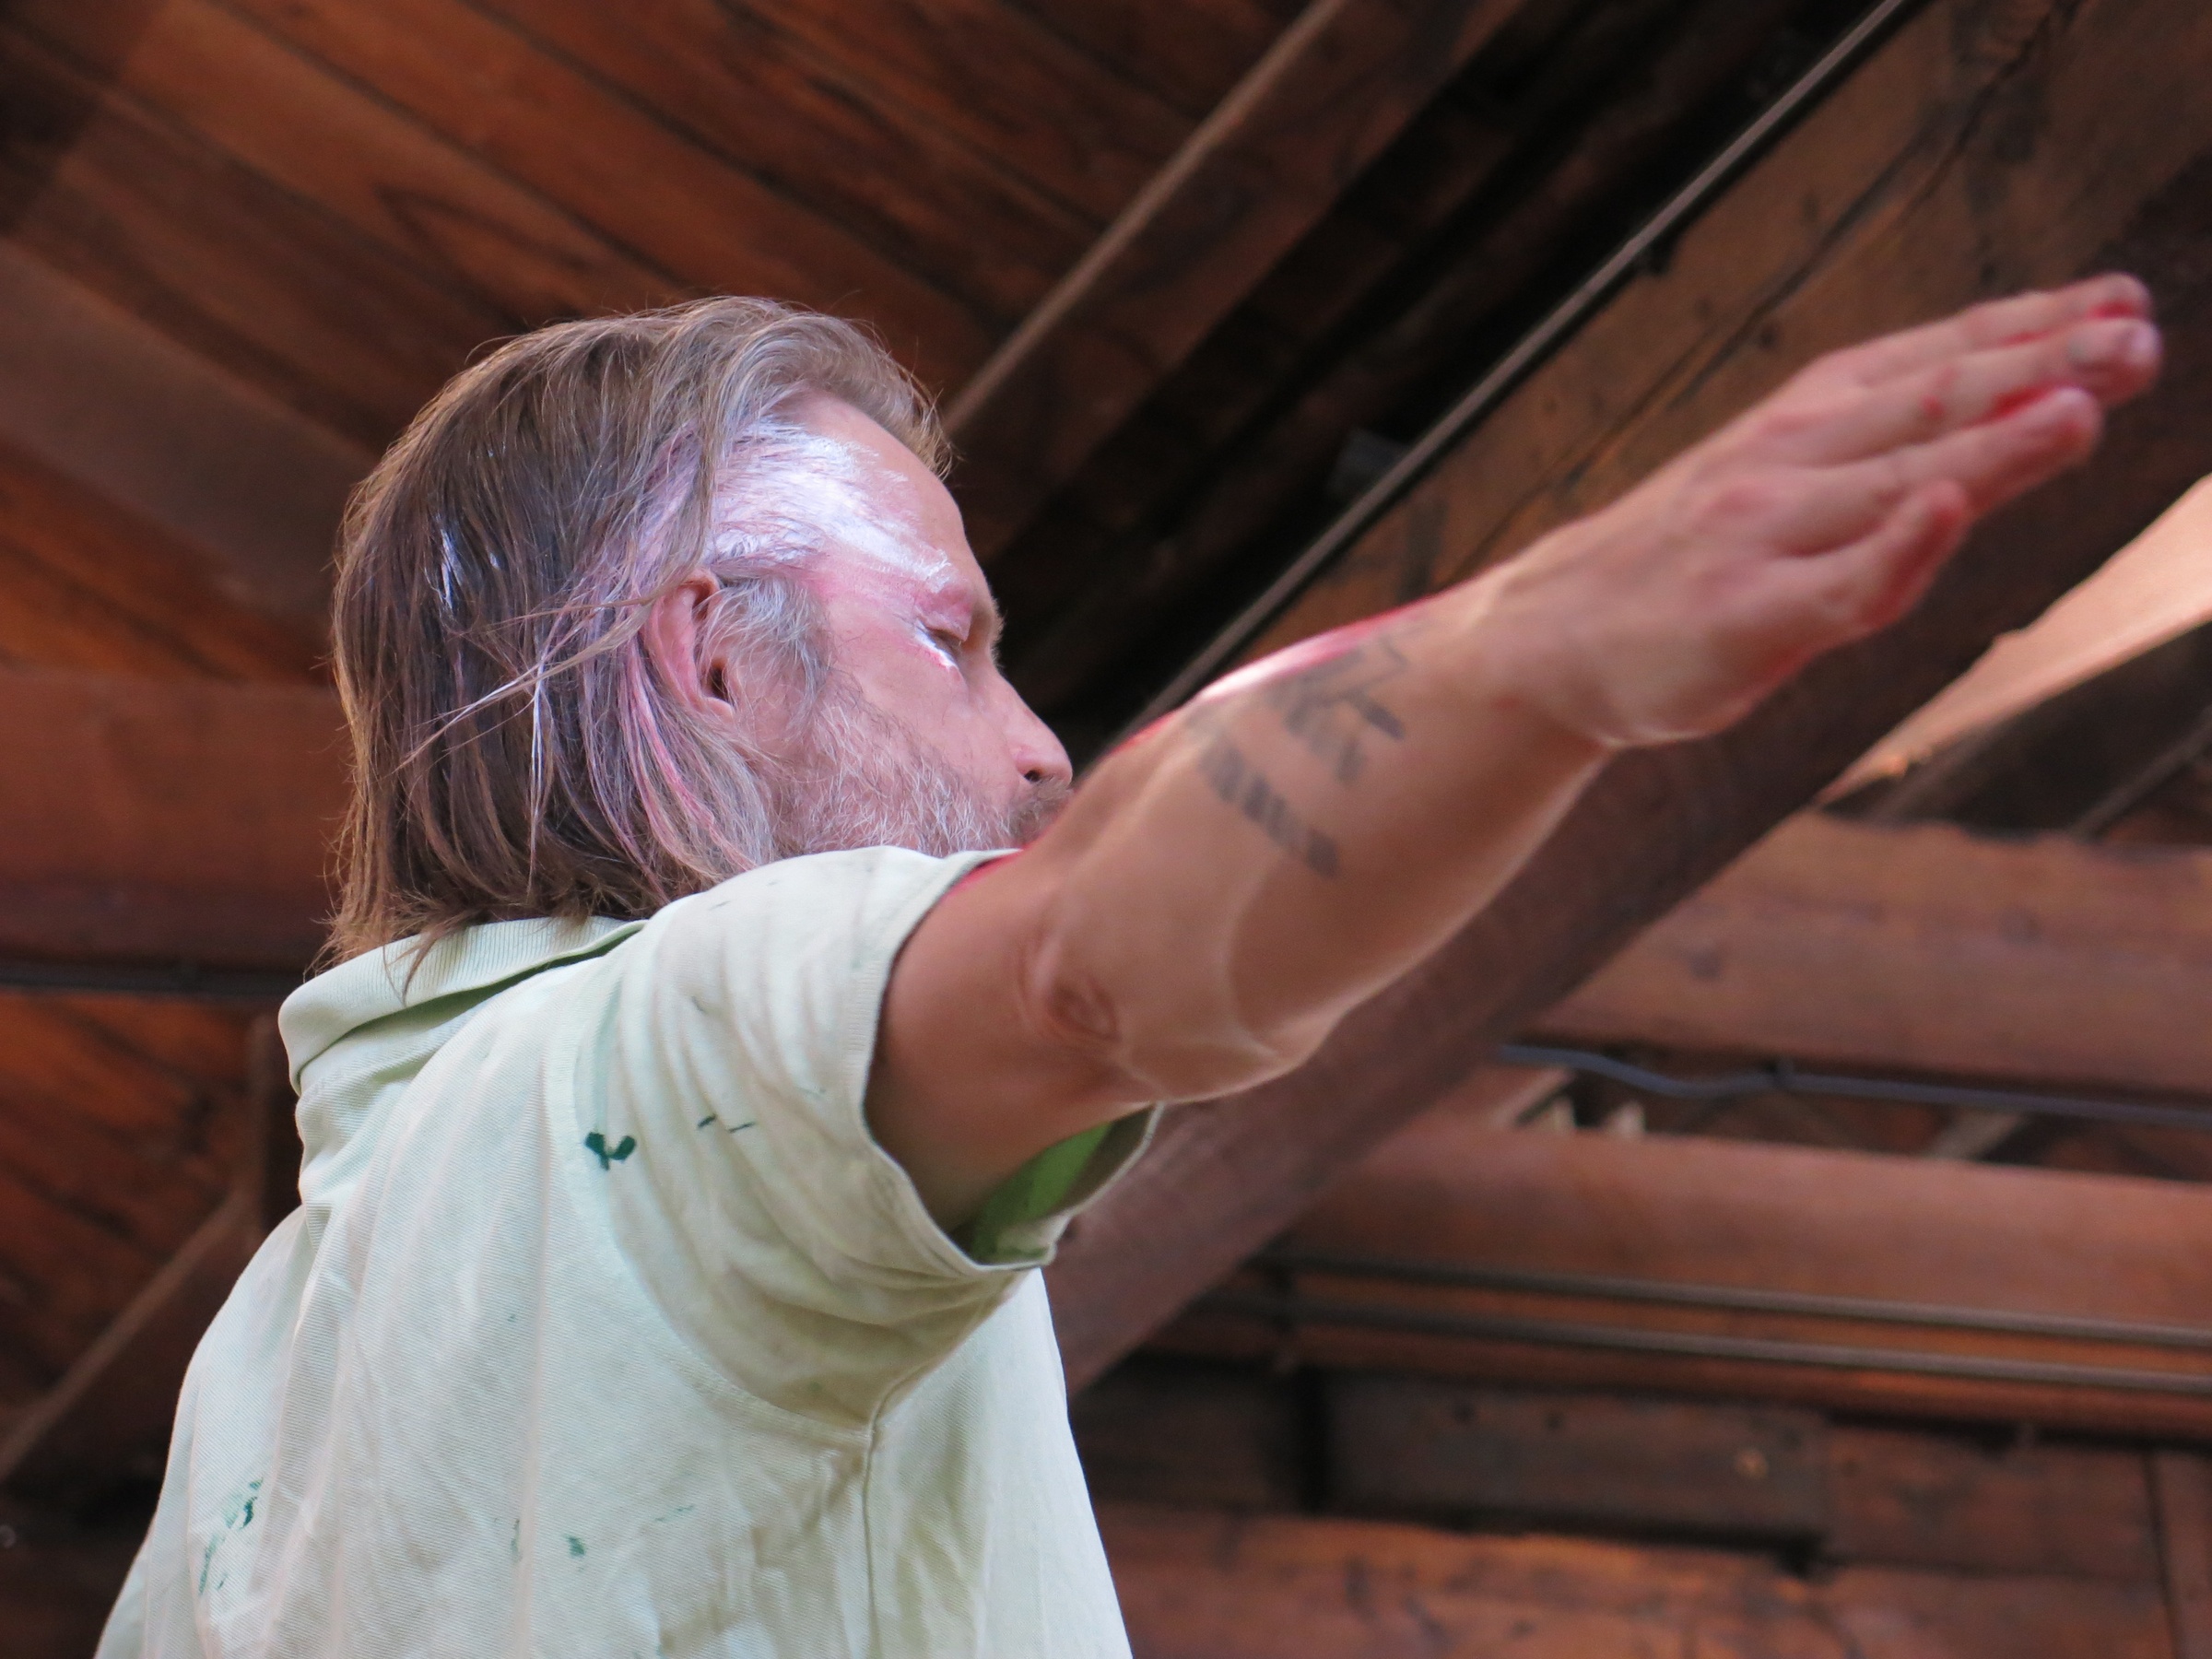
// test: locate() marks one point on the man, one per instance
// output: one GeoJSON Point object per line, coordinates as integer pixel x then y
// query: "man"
{"type": "Point", "coordinates": [696, 1094]}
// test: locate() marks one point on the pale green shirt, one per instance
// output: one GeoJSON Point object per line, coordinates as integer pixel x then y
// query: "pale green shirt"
{"type": "Point", "coordinates": [607, 1330]}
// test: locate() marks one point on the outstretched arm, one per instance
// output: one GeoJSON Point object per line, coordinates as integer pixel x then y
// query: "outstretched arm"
{"type": "Point", "coordinates": [1221, 891]}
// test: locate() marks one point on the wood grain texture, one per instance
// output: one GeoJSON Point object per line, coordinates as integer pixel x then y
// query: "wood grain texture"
{"type": "Point", "coordinates": [120, 1133]}
{"type": "Point", "coordinates": [1191, 53]}
{"type": "Point", "coordinates": [332, 142]}
{"type": "Point", "coordinates": [1974, 152]}
{"type": "Point", "coordinates": [826, 130]}
{"type": "Point", "coordinates": [1420, 1446]}
{"type": "Point", "coordinates": [1329, 95]}
{"type": "Point", "coordinates": [1907, 1498]}
{"type": "Point", "coordinates": [1702, 1218]}
{"type": "Point", "coordinates": [216, 478]}
{"type": "Point", "coordinates": [619, 169]}
{"type": "Point", "coordinates": [86, 585]}
{"type": "Point", "coordinates": [1457, 239]}
{"type": "Point", "coordinates": [227, 263]}
{"type": "Point", "coordinates": [2048, 960]}
{"type": "Point", "coordinates": [988, 73]}
{"type": "Point", "coordinates": [2181, 1482]}
{"type": "Point", "coordinates": [165, 821]}
{"type": "Point", "coordinates": [1195, 1586]}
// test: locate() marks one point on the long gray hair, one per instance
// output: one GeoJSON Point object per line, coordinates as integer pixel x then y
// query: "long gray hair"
{"type": "Point", "coordinates": [514, 754]}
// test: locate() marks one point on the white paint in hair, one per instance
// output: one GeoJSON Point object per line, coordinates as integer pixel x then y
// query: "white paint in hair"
{"type": "Point", "coordinates": [797, 492]}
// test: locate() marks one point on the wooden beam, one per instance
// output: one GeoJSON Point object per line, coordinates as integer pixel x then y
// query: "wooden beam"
{"type": "Point", "coordinates": [1850, 1281]}
{"type": "Point", "coordinates": [2155, 588]}
{"type": "Point", "coordinates": [251, 489]}
{"type": "Point", "coordinates": [165, 821]}
{"type": "Point", "coordinates": [1927, 948]}
{"type": "Point", "coordinates": [1339, 84]}
{"type": "Point", "coordinates": [1900, 198]}
{"type": "Point", "coordinates": [1195, 1586]}
{"type": "Point", "coordinates": [2181, 1487]}
{"type": "Point", "coordinates": [106, 1422]}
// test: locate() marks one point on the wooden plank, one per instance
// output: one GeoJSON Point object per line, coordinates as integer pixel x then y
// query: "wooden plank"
{"type": "Point", "coordinates": [165, 821]}
{"type": "Point", "coordinates": [1917, 1500]}
{"type": "Point", "coordinates": [1898, 199]}
{"type": "Point", "coordinates": [2157, 588]}
{"type": "Point", "coordinates": [229, 263]}
{"type": "Point", "coordinates": [1165, 1430]}
{"type": "Point", "coordinates": [58, 1578]}
{"type": "Point", "coordinates": [86, 585]}
{"type": "Point", "coordinates": [104, 1425]}
{"type": "Point", "coordinates": [831, 134]}
{"type": "Point", "coordinates": [119, 1132]}
{"type": "Point", "coordinates": [2182, 1483]}
{"type": "Point", "coordinates": [2048, 962]}
{"type": "Point", "coordinates": [231, 479]}
{"type": "Point", "coordinates": [1049, 110]}
{"type": "Point", "coordinates": [1195, 1586]}
{"type": "Point", "coordinates": [107, 1420]}
{"type": "Point", "coordinates": [1333, 90]}
{"type": "Point", "coordinates": [1191, 54]}
{"type": "Point", "coordinates": [619, 169]}
{"type": "Point", "coordinates": [1552, 136]}
{"type": "Point", "coordinates": [1703, 1267]}
{"type": "Point", "coordinates": [1421, 1447]}
{"type": "Point", "coordinates": [277, 112]}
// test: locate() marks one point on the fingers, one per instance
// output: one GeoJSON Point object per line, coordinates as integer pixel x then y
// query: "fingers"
{"type": "Point", "coordinates": [1871, 583]}
{"type": "Point", "coordinates": [1997, 322]}
{"type": "Point", "coordinates": [1822, 507]}
{"type": "Point", "coordinates": [2110, 358]}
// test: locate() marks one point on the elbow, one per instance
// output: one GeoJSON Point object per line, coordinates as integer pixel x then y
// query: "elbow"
{"type": "Point", "coordinates": [1159, 1032]}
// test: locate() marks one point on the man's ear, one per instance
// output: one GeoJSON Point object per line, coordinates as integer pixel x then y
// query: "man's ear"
{"type": "Point", "coordinates": [676, 642]}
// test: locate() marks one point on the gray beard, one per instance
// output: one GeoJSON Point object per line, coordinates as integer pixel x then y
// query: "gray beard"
{"type": "Point", "coordinates": [865, 779]}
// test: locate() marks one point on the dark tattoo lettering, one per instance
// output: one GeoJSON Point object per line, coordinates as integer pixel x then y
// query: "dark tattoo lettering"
{"type": "Point", "coordinates": [1238, 783]}
{"type": "Point", "coordinates": [1331, 706]}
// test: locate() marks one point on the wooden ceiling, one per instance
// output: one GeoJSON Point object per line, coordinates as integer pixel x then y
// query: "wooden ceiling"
{"type": "Point", "coordinates": [1189, 275]}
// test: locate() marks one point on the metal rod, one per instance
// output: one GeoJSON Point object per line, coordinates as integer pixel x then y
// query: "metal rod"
{"type": "Point", "coordinates": [1528, 355]}
{"type": "Point", "coordinates": [1780, 1076]}
{"type": "Point", "coordinates": [1742, 1299]}
{"type": "Point", "coordinates": [1692, 1345]}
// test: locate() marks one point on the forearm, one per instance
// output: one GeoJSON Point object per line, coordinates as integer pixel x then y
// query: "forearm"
{"type": "Point", "coordinates": [1274, 855]}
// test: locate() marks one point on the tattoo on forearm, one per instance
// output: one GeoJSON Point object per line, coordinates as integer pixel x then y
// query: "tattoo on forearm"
{"type": "Point", "coordinates": [1331, 706]}
{"type": "Point", "coordinates": [1243, 787]}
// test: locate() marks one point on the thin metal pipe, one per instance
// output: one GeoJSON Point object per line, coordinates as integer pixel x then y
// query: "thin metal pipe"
{"type": "Point", "coordinates": [1527, 355]}
{"type": "Point", "coordinates": [1742, 1299]}
{"type": "Point", "coordinates": [1780, 1076]}
{"type": "Point", "coordinates": [1296, 1311]}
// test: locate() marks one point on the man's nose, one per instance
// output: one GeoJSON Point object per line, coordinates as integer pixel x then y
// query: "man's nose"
{"type": "Point", "coordinates": [1038, 754]}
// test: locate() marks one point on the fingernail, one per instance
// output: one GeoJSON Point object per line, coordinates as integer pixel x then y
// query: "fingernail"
{"type": "Point", "coordinates": [2099, 345]}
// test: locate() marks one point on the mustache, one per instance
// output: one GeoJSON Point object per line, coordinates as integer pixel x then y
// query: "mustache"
{"type": "Point", "coordinates": [1032, 815]}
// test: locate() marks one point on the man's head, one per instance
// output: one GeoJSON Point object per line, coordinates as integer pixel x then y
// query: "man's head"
{"type": "Point", "coordinates": [641, 603]}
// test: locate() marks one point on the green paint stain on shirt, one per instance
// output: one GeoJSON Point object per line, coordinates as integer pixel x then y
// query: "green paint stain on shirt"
{"type": "Point", "coordinates": [595, 1144]}
{"type": "Point", "coordinates": [575, 1545]}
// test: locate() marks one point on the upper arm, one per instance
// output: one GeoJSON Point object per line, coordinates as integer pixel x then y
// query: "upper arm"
{"type": "Point", "coordinates": [988, 1052]}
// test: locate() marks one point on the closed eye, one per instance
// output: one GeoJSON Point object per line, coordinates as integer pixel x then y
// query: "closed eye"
{"type": "Point", "coordinates": [943, 641]}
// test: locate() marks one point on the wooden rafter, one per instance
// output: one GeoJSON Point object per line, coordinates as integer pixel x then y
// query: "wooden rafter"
{"type": "Point", "coordinates": [2049, 962]}
{"type": "Point", "coordinates": [1335, 88]}
{"type": "Point", "coordinates": [1694, 1266]}
{"type": "Point", "coordinates": [1882, 208]}
{"type": "Point", "coordinates": [165, 821]}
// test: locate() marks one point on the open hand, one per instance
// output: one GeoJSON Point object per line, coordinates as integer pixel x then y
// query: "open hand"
{"type": "Point", "coordinates": [1818, 516]}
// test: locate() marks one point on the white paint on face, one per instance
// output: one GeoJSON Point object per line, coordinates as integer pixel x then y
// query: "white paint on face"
{"type": "Point", "coordinates": [804, 492]}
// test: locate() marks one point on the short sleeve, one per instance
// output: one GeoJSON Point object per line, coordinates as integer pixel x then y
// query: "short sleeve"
{"type": "Point", "coordinates": [720, 1104]}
